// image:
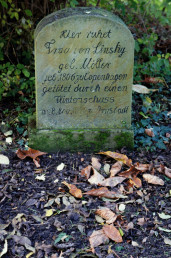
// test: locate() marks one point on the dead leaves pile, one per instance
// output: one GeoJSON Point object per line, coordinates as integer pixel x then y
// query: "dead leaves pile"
{"type": "Point", "coordinates": [107, 232]}
{"type": "Point", "coordinates": [116, 177]}
{"type": "Point", "coordinates": [123, 170]}
{"type": "Point", "coordinates": [16, 224]}
{"type": "Point", "coordinates": [102, 236]}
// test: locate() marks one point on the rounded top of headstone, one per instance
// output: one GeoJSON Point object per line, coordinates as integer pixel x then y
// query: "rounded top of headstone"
{"type": "Point", "coordinates": [79, 11]}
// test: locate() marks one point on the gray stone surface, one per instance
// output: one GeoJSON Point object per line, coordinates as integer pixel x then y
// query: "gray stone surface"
{"type": "Point", "coordinates": [84, 71]}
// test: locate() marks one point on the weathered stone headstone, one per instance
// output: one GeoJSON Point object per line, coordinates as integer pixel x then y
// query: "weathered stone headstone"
{"type": "Point", "coordinates": [84, 72]}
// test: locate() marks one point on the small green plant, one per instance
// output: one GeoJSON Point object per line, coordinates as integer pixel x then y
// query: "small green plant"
{"type": "Point", "coordinates": [16, 80]}
{"type": "Point", "coordinates": [62, 237]}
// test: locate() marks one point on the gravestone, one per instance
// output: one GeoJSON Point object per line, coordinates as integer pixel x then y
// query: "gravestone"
{"type": "Point", "coordinates": [84, 74]}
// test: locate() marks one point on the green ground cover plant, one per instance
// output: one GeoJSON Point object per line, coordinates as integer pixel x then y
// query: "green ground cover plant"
{"type": "Point", "coordinates": [149, 24]}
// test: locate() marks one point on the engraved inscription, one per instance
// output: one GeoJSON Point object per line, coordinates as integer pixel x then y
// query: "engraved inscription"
{"type": "Point", "coordinates": [85, 76]}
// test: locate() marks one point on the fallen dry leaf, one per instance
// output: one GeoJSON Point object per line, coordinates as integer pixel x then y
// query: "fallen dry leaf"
{"type": "Point", "coordinates": [153, 80]}
{"type": "Point", "coordinates": [142, 89]}
{"type": "Point", "coordinates": [73, 190]}
{"type": "Point", "coordinates": [8, 133]}
{"type": "Point", "coordinates": [29, 254]}
{"type": "Point", "coordinates": [104, 192]}
{"type": "Point", "coordinates": [141, 221]}
{"type": "Point", "coordinates": [164, 216]}
{"type": "Point", "coordinates": [96, 178]}
{"type": "Point", "coordinates": [129, 226]}
{"type": "Point", "coordinates": [43, 247]}
{"type": "Point", "coordinates": [142, 167]}
{"type": "Point", "coordinates": [118, 157]}
{"type": "Point", "coordinates": [60, 167]}
{"type": "Point", "coordinates": [116, 168]}
{"type": "Point", "coordinates": [18, 219]}
{"type": "Point", "coordinates": [135, 244]}
{"type": "Point", "coordinates": [129, 186]}
{"type": "Point", "coordinates": [4, 249]}
{"type": "Point", "coordinates": [165, 229]}
{"type": "Point", "coordinates": [106, 169]}
{"type": "Point", "coordinates": [130, 172]}
{"type": "Point", "coordinates": [140, 193]}
{"type": "Point", "coordinates": [122, 207]}
{"type": "Point", "coordinates": [22, 154]}
{"type": "Point", "coordinates": [41, 177]}
{"type": "Point", "coordinates": [112, 181]}
{"type": "Point", "coordinates": [65, 201]}
{"type": "Point", "coordinates": [4, 160]}
{"type": "Point", "coordinates": [167, 241]}
{"type": "Point", "coordinates": [136, 181]}
{"type": "Point", "coordinates": [86, 171]}
{"type": "Point", "coordinates": [49, 212]}
{"type": "Point", "coordinates": [3, 226]}
{"type": "Point", "coordinates": [106, 214]}
{"type": "Point", "coordinates": [112, 233]}
{"type": "Point", "coordinates": [166, 171]}
{"type": "Point", "coordinates": [95, 163]}
{"type": "Point", "coordinates": [144, 240]}
{"type": "Point", "coordinates": [149, 132]}
{"type": "Point", "coordinates": [121, 189]}
{"type": "Point", "coordinates": [8, 140]}
{"type": "Point", "coordinates": [97, 238]}
{"type": "Point", "coordinates": [99, 219]}
{"type": "Point", "coordinates": [155, 180]}
{"type": "Point", "coordinates": [22, 240]}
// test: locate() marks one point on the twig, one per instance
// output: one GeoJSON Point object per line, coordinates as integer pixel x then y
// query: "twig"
{"type": "Point", "coordinates": [115, 254]}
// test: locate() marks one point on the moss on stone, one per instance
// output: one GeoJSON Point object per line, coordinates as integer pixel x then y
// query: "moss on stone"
{"type": "Point", "coordinates": [32, 121]}
{"type": "Point", "coordinates": [124, 139]}
{"type": "Point", "coordinates": [80, 140]}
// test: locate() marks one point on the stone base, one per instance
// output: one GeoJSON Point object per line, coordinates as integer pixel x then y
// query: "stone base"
{"type": "Point", "coordinates": [74, 140]}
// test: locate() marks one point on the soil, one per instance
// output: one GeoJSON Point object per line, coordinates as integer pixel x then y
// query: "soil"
{"type": "Point", "coordinates": [29, 230]}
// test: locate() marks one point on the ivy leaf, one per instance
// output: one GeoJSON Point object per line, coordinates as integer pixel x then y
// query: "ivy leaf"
{"type": "Point", "coordinates": [62, 236]}
{"type": "Point", "coordinates": [26, 72]}
{"type": "Point", "coordinates": [4, 4]}
{"type": "Point", "coordinates": [160, 144]}
{"type": "Point", "coordinates": [28, 12]}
